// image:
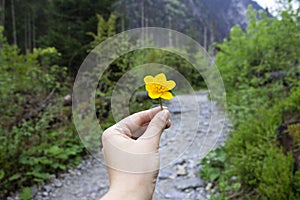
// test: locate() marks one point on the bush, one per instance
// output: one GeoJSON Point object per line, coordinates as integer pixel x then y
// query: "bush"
{"type": "Point", "coordinates": [36, 137]}
{"type": "Point", "coordinates": [260, 67]}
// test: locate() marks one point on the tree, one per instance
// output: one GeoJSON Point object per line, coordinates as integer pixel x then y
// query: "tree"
{"type": "Point", "coordinates": [68, 24]}
{"type": "Point", "coordinates": [2, 12]}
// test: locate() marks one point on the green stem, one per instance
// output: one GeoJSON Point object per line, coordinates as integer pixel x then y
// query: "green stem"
{"type": "Point", "coordinates": [160, 103]}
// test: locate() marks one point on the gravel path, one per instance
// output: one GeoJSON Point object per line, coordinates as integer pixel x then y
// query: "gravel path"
{"type": "Point", "coordinates": [191, 136]}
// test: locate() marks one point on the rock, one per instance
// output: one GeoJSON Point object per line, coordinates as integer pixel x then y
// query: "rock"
{"type": "Point", "coordinates": [205, 123]}
{"type": "Point", "coordinates": [180, 161]}
{"type": "Point", "coordinates": [47, 188]}
{"type": "Point", "coordinates": [189, 183]}
{"type": "Point", "coordinates": [191, 164]}
{"type": "Point", "coordinates": [93, 195]}
{"type": "Point", "coordinates": [38, 198]}
{"type": "Point", "coordinates": [174, 194]}
{"type": "Point", "coordinates": [94, 188]}
{"type": "Point", "coordinates": [175, 110]}
{"type": "Point", "coordinates": [198, 196]}
{"type": "Point", "coordinates": [45, 194]}
{"type": "Point", "coordinates": [67, 100]}
{"type": "Point", "coordinates": [181, 170]}
{"type": "Point", "coordinates": [71, 172]}
{"type": "Point", "coordinates": [52, 177]}
{"type": "Point", "coordinates": [34, 190]}
{"type": "Point", "coordinates": [188, 190]}
{"type": "Point", "coordinates": [57, 183]}
{"type": "Point", "coordinates": [164, 174]}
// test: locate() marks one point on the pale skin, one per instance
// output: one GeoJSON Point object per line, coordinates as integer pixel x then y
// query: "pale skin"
{"type": "Point", "coordinates": [138, 134]}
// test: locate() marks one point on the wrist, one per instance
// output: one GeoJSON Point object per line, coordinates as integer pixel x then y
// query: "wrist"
{"type": "Point", "coordinates": [125, 194]}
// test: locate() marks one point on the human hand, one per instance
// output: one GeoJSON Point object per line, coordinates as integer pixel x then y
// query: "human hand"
{"type": "Point", "coordinates": [130, 149]}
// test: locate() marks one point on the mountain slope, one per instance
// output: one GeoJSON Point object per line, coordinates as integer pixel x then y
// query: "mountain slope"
{"type": "Point", "coordinates": [206, 21]}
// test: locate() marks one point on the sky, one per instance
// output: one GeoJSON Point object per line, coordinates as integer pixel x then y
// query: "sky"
{"type": "Point", "coordinates": [271, 4]}
{"type": "Point", "coordinates": [266, 3]}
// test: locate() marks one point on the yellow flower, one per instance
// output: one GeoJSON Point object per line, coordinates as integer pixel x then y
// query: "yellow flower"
{"type": "Point", "coordinates": [158, 86]}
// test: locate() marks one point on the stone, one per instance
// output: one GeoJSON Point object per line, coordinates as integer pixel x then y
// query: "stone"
{"type": "Point", "coordinates": [71, 172]}
{"type": "Point", "coordinates": [57, 183]}
{"type": "Point", "coordinates": [189, 183]}
{"type": "Point", "coordinates": [197, 196]}
{"type": "Point", "coordinates": [45, 194]}
{"type": "Point", "coordinates": [174, 194]}
{"type": "Point", "coordinates": [180, 161]}
{"type": "Point", "coordinates": [52, 177]}
{"type": "Point", "coordinates": [181, 170]}
{"type": "Point", "coordinates": [47, 188]}
{"type": "Point", "coordinates": [34, 190]}
{"type": "Point", "coordinates": [93, 195]}
{"type": "Point", "coordinates": [191, 164]}
{"type": "Point", "coordinates": [164, 174]}
{"type": "Point", "coordinates": [175, 110]}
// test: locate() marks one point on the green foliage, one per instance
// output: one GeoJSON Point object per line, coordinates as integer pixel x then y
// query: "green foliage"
{"type": "Point", "coordinates": [213, 163]}
{"type": "Point", "coordinates": [268, 45]}
{"type": "Point", "coordinates": [31, 134]}
{"type": "Point", "coordinates": [260, 68]}
{"type": "Point", "coordinates": [25, 194]}
{"type": "Point", "coordinates": [67, 25]}
{"type": "Point", "coordinates": [104, 30]}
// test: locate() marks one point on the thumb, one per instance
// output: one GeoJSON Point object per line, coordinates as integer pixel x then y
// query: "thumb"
{"type": "Point", "coordinates": [156, 127]}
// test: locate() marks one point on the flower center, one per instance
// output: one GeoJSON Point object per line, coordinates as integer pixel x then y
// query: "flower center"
{"type": "Point", "coordinates": [159, 88]}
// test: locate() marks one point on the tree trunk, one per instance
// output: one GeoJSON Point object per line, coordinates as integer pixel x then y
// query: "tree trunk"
{"type": "Point", "coordinates": [205, 38]}
{"type": "Point", "coordinates": [2, 11]}
{"type": "Point", "coordinates": [33, 32]}
{"type": "Point", "coordinates": [170, 32]}
{"type": "Point", "coordinates": [25, 33]}
{"type": "Point", "coordinates": [13, 17]}
{"type": "Point", "coordinates": [142, 17]}
{"type": "Point", "coordinates": [212, 31]}
{"type": "Point", "coordinates": [29, 32]}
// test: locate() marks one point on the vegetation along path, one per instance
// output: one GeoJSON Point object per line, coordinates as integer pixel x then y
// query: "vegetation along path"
{"type": "Point", "coordinates": [181, 149]}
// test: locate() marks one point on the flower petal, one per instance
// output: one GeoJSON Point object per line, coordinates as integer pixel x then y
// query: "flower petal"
{"type": "Point", "coordinates": [149, 79]}
{"type": "Point", "coordinates": [160, 78]}
{"type": "Point", "coordinates": [153, 95]}
{"type": "Point", "coordinates": [167, 96]}
{"type": "Point", "coordinates": [149, 87]}
{"type": "Point", "coordinates": [169, 84]}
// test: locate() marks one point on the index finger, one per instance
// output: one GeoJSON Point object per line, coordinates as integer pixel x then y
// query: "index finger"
{"type": "Point", "coordinates": [137, 122]}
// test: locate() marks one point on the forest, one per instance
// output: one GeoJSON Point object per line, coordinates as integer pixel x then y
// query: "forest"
{"type": "Point", "coordinates": [43, 43]}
